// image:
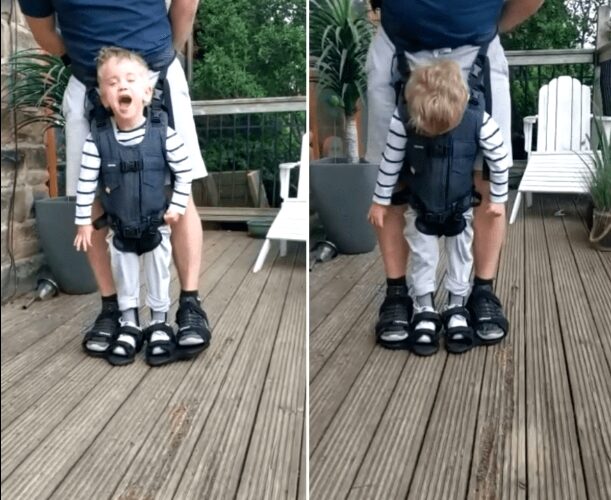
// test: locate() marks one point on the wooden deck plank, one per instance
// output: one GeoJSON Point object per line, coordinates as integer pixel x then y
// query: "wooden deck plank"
{"type": "Point", "coordinates": [388, 466]}
{"type": "Point", "coordinates": [554, 466]}
{"type": "Point", "coordinates": [215, 463]}
{"type": "Point", "coordinates": [272, 466]}
{"type": "Point", "coordinates": [163, 457]}
{"type": "Point", "coordinates": [335, 461]}
{"type": "Point", "coordinates": [595, 280]}
{"type": "Point", "coordinates": [325, 339]}
{"type": "Point", "coordinates": [338, 285]}
{"type": "Point", "coordinates": [41, 471]}
{"type": "Point", "coordinates": [498, 468]}
{"type": "Point", "coordinates": [588, 367]}
{"type": "Point", "coordinates": [54, 369]}
{"type": "Point", "coordinates": [152, 401]}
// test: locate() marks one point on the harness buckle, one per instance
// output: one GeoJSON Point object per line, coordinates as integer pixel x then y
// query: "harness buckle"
{"type": "Point", "coordinates": [131, 166]}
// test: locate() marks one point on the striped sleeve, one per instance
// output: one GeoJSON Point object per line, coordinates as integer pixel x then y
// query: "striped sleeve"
{"type": "Point", "coordinates": [87, 182]}
{"type": "Point", "coordinates": [392, 161]}
{"type": "Point", "coordinates": [180, 165]}
{"type": "Point", "coordinates": [498, 159]}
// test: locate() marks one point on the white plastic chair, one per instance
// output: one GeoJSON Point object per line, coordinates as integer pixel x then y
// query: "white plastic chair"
{"type": "Point", "coordinates": [563, 142]}
{"type": "Point", "coordinates": [292, 221]}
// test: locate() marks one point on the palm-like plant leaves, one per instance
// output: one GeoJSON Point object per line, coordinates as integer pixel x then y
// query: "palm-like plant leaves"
{"type": "Point", "coordinates": [600, 168]}
{"type": "Point", "coordinates": [339, 39]}
{"type": "Point", "coordinates": [36, 87]}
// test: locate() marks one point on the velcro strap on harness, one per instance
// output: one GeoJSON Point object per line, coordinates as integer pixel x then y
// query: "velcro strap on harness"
{"type": "Point", "coordinates": [131, 166]}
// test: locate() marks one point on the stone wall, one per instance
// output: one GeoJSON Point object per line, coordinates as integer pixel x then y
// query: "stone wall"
{"type": "Point", "coordinates": [23, 173]}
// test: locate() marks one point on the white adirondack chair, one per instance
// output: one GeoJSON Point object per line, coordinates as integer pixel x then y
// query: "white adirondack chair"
{"type": "Point", "coordinates": [291, 222]}
{"type": "Point", "coordinates": [563, 142]}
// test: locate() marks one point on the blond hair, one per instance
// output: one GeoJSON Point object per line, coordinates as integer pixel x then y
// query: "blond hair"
{"type": "Point", "coordinates": [436, 97]}
{"type": "Point", "coordinates": [108, 53]}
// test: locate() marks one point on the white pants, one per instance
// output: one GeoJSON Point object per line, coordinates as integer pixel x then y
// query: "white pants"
{"type": "Point", "coordinates": [126, 273]}
{"type": "Point", "coordinates": [424, 258]}
{"type": "Point", "coordinates": [382, 73]}
{"type": "Point", "coordinates": [77, 125]}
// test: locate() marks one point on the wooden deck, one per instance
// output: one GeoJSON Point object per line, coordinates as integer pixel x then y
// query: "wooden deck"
{"type": "Point", "coordinates": [228, 425]}
{"type": "Point", "coordinates": [529, 418]}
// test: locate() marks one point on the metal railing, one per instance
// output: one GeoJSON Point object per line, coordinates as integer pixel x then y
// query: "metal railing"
{"type": "Point", "coordinates": [242, 136]}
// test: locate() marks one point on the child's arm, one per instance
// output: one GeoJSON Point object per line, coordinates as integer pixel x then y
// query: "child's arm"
{"type": "Point", "coordinates": [376, 214]}
{"type": "Point", "coordinates": [83, 237]}
{"type": "Point", "coordinates": [499, 161]}
{"type": "Point", "coordinates": [178, 161]}
{"type": "Point", "coordinates": [85, 193]}
{"type": "Point", "coordinates": [392, 161]}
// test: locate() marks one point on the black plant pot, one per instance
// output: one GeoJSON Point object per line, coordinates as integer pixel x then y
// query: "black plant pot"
{"type": "Point", "coordinates": [342, 195]}
{"type": "Point", "coordinates": [56, 230]}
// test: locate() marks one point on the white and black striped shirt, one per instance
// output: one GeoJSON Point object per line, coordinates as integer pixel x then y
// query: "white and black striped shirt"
{"type": "Point", "coordinates": [176, 154]}
{"type": "Point", "coordinates": [490, 142]}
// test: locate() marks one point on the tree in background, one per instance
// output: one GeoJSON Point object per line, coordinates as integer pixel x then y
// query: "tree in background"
{"type": "Point", "coordinates": [250, 48]}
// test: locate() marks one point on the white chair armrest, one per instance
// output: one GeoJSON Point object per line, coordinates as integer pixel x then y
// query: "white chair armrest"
{"type": "Point", "coordinates": [285, 178]}
{"type": "Point", "coordinates": [529, 121]}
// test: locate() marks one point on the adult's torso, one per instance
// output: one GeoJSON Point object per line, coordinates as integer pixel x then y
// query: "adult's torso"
{"type": "Point", "coordinates": [139, 25]}
{"type": "Point", "coordinates": [435, 24]}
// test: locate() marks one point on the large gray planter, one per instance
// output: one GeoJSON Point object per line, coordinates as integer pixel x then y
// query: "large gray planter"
{"type": "Point", "coordinates": [342, 194]}
{"type": "Point", "coordinates": [56, 230]}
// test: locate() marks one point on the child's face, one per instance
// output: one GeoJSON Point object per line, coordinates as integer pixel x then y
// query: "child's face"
{"type": "Point", "coordinates": [125, 89]}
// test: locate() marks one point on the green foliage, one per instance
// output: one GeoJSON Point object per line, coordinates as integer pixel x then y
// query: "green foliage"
{"type": "Point", "coordinates": [600, 167]}
{"type": "Point", "coordinates": [36, 87]}
{"type": "Point", "coordinates": [249, 48]}
{"type": "Point", "coordinates": [340, 35]}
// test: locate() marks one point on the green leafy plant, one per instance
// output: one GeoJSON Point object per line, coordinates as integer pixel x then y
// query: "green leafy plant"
{"type": "Point", "coordinates": [340, 34]}
{"type": "Point", "coordinates": [36, 87]}
{"type": "Point", "coordinates": [600, 168]}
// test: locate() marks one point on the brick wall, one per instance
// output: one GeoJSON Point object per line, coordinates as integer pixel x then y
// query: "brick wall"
{"type": "Point", "coordinates": [23, 172]}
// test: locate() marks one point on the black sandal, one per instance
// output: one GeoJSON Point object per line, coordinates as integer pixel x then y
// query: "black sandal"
{"type": "Point", "coordinates": [424, 348]}
{"type": "Point", "coordinates": [394, 316]}
{"type": "Point", "coordinates": [192, 320]}
{"type": "Point", "coordinates": [467, 340]}
{"type": "Point", "coordinates": [103, 330]}
{"type": "Point", "coordinates": [168, 346]}
{"type": "Point", "coordinates": [485, 309]}
{"type": "Point", "coordinates": [130, 350]}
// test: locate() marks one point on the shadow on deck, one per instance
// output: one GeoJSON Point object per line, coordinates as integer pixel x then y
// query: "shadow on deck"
{"type": "Point", "coordinates": [528, 418]}
{"type": "Point", "coordinates": [229, 424]}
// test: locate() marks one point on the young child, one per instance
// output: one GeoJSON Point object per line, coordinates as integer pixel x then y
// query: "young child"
{"type": "Point", "coordinates": [129, 156]}
{"type": "Point", "coordinates": [428, 162]}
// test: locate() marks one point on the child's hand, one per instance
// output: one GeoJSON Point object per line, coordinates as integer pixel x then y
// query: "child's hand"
{"type": "Point", "coordinates": [83, 237]}
{"type": "Point", "coordinates": [496, 209]}
{"type": "Point", "coordinates": [171, 217]}
{"type": "Point", "coordinates": [376, 215]}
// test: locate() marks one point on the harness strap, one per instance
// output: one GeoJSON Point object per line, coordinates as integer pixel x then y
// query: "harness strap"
{"type": "Point", "coordinates": [162, 99]}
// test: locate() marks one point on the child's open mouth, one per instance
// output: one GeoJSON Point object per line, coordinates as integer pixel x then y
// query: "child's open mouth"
{"type": "Point", "coordinates": [124, 101]}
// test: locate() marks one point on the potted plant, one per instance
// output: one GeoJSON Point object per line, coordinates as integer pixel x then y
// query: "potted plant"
{"type": "Point", "coordinates": [600, 188]}
{"type": "Point", "coordinates": [35, 92]}
{"type": "Point", "coordinates": [342, 188]}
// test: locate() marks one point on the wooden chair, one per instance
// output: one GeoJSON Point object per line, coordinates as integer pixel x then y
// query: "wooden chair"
{"type": "Point", "coordinates": [559, 164]}
{"type": "Point", "coordinates": [292, 221]}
